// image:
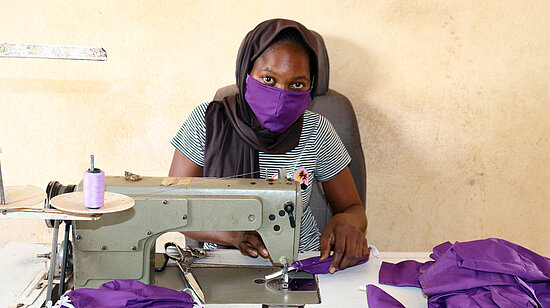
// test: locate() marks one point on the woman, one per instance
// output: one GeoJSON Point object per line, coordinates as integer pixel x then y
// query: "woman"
{"type": "Point", "coordinates": [266, 126]}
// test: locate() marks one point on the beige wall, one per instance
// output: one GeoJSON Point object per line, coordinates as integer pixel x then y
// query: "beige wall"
{"type": "Point", "coordinates": [452, 99]}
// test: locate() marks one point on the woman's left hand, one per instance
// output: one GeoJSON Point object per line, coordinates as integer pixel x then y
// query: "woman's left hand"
{"type": "Point", "coordinates": [345, 232]}
{"type": "Point", "coordinates": [348, 242]}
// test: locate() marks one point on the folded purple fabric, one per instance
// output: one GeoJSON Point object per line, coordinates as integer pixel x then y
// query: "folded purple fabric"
{"type": "Point", "coordinates": [314, 266]}
{"type": "Point", "coordinates": [490, 296]}
{"type": "Point", "coordinates": [439, 250]}
{"type": "Point", "coordinates": [482, 273]}
{"type": "Point", "coordinates": [500, 256]}
{"type": "Point", "coordinates": [129, 293]}
{"type": "Point", "coordinates": [378, 298]}
{"type": "Point", "coordinates": [402, 274]}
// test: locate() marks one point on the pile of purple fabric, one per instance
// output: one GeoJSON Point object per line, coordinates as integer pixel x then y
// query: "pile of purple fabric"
{"type": "Point", "coordinates": [126, 293]}
{"type": "Point", "coordinates": [482, 273]}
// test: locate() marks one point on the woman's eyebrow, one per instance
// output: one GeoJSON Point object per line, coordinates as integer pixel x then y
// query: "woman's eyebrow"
{"type": "Point", "coordinates": [294, 77]}
{"type": "Point", "coordinates": [269, 71]}
{"type": "Point", "coordinates": [301, 77]}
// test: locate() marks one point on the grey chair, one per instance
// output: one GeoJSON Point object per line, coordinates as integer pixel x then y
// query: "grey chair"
{"type": "Point", "coordinates": [339, 111]}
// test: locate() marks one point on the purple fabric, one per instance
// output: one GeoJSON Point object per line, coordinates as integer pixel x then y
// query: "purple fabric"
{"type": "Point", "coordinates": [439, 250]}
{"type": "Point", "coordinates": [402, 274]}
{"type": "Point", "coordinates": [378, 298]}
{"type": "Point", "coordinates": [491, 296]}
{"type": "Point", "coordinates": [276, 109]}
{"type": "Point", "coordinates": [482, 273]}
{"type": "Point", "coordinates": [129, 293]}
{"type": "Point", "coordinates": [314, 266]}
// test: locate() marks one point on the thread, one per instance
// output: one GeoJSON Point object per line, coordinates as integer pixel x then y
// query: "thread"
{"type": "Point", "coordinates": [93, 187]}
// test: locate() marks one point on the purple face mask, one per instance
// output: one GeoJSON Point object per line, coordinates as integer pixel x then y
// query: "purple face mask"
{"type": "Point", "coordinates": [275, 108]}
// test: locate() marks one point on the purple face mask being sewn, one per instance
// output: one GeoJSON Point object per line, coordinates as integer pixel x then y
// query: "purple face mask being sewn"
{"type": "Point", "coordinates": [275, 108]}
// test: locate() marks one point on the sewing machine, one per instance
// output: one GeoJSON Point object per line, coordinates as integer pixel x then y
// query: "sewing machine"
{"type": "Point", "coordinates": [122, 245]}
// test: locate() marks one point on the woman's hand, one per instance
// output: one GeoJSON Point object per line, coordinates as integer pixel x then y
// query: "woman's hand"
{"type": "Point", "coordinates": [348, 242]}
{"type": "Point", "coordinates": [250, 244]}
{"type": "Point", "coordinates": [345, 232]}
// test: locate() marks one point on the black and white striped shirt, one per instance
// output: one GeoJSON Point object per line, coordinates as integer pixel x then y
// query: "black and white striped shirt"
{"type": "Point", "coordinates": [320, 154]}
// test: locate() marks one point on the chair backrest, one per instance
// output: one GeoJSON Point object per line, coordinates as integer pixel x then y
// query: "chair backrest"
{"type": "Point", "coordinates": [339, 111]}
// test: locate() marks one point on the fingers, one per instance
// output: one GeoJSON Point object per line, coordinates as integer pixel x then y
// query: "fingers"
{"type": "Point", "coordinates": [256, 242]}
{"type": "Point", "coordinates": [366, 250]}
{"type": "Point", "coordinates": [355, 253]}
{"type": "Point", "coordinates": [327, 240]}
{"type": "Point", "coordinates": [350, 256]}
{"type": "Point", "coordinates": [350, 247]}
{"type": "Point", "coordinates": [339, 250]}
{"type": "Point", "coordinates": [252, 245]}
{"type": "Point", "coordinates": [247, 250]}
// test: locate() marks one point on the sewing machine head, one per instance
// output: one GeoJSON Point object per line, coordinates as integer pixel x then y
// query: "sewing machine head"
{"type": "Point", "coordinates": [122, 245]}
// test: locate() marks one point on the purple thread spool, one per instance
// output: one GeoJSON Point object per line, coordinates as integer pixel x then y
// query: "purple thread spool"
{"type": "Point", "coordinates": [93, 187]}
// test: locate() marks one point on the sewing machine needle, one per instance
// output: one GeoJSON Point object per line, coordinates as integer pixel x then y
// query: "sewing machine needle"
{"type": "Point", "coordinates": [285, 276]}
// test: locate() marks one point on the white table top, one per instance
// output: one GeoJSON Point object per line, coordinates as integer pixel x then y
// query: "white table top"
{"type": "Point", "coordinates": [19, 266]}
{"type": "Point", "coordinates": [341, 289]}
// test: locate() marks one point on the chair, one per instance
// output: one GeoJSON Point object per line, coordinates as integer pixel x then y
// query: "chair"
{"type": "Point", "coordinates": [339, 111]}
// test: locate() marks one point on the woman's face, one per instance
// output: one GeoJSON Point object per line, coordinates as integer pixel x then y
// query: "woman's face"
{"type": "Point", "coordinates": [284, 65]}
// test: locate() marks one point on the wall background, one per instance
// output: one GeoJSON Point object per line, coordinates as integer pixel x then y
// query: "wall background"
{"type": "Point", "coordinates": [452, 100]}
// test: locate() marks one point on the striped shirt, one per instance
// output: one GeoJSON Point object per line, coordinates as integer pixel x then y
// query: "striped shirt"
{"type": "Point", "coordinates": [320, 155]}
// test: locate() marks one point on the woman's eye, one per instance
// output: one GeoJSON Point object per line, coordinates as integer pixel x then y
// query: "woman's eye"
{"type": "Point", "coordinates": [297, 85]}
{"type": "Point", "coordinates": [267, 79]}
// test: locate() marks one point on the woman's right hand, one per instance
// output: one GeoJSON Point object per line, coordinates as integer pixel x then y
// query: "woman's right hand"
{"type": "Point", "coordinates": [250, 244]}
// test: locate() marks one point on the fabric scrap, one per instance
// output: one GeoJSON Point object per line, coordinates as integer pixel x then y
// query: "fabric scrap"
{"type": "Point", "coordinates": [378, 298]}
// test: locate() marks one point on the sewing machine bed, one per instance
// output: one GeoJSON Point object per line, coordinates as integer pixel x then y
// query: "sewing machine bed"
{"type": "Point", "coordinates": [241, 285]}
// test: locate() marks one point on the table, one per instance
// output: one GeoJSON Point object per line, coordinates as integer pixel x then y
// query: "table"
{"type": "Point", "coordinates": [337, 290]}
{"type": "Point", "coordinates": [20, 267]}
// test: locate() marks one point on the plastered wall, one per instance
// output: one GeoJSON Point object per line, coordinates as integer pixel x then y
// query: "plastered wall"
{"type": "Point", "coordinates": [452, 99]}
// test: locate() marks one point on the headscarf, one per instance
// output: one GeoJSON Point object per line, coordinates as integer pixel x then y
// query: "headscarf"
{"type": "Point", "coordinates": [233, 139]}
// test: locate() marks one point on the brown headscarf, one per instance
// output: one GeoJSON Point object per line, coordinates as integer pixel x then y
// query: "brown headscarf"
{"type": "Point", "coordinates": [232, 137]}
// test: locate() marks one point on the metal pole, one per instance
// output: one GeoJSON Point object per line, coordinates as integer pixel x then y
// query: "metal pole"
{"type": "Point", "coordinates": [53, 261]}
{"type": "Point", "coordinates": [2, 196]}
{"type": "Point", "coordinates": [65, 249]}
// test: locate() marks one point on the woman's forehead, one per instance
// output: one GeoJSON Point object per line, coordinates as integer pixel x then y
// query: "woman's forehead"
{"type": "Point", "coordinates": [284, 52]}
